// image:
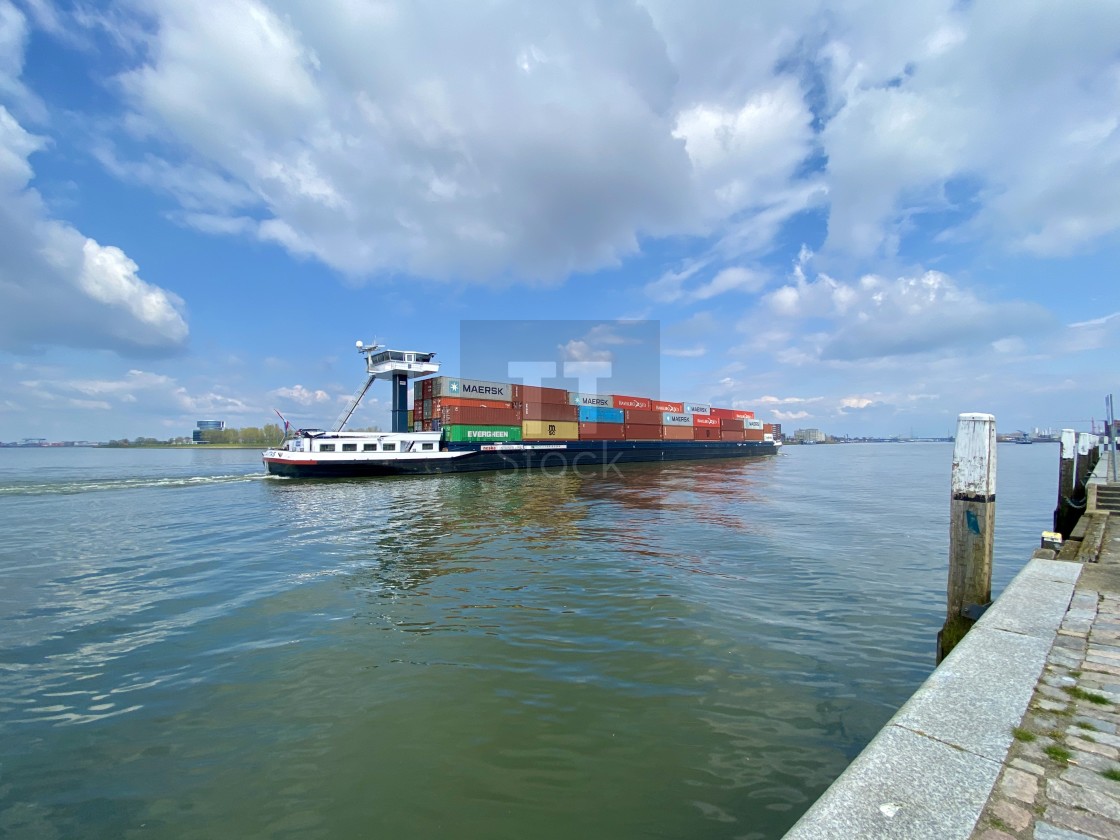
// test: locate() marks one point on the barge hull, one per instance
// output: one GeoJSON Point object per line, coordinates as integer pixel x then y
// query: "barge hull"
{"type": "Point", "coordinates": [544, 457]}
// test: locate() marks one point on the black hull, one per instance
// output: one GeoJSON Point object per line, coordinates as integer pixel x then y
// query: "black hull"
{"type": "Point", "coordinates": [575, 455]}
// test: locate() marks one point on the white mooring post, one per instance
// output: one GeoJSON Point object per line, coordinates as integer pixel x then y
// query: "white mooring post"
{"type": "Point", "coordinates": [972, 517]}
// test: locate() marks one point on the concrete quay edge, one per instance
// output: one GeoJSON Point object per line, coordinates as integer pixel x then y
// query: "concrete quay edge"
{"type": "Point", "coordinates": [930, 771]}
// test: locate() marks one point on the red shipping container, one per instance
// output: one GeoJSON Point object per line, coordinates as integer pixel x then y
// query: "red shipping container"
{"type": "Point", "coordinates": [549, 411]}
{"type": "Point", "coordinates": [638, 403]}
{"type": "Point", "coordinates": [732, 413]}
{"type": "Point", "coordinates": [515, 393]}
{"type": "Point", "coordinates": [768, 428]}
{"type": "Point", "coordinates": [642, 431]}
{"type": "Point", "coordinates": [753, 434]}
{"type": "Point", "coordinates": [426, 426]}
{"type": "Point", "coordinates": [466, 402]}
{"type": "Point", "coordinates": [531, 393]}
{"type": "Point", "coordinates": [642, 418]}
{"type": "Point", "coordinates": [426, 389]}
{"type": "Point", "coordinates": [600, 431]}
{"type": "Point", "coordinates": [706, 433]}
{"type": "Point", "coordinates": [471, 416]}
{"type": "Point", "coordinates": [731, 434]}
{"type": "Point", "coordinates": [677, 432]}
{"type": "Point", "coordinates": [705, 420]}
{"type": "Point", "coordinates": [734, 425]}
{"type": "Point", "coordinates": [674, 408]}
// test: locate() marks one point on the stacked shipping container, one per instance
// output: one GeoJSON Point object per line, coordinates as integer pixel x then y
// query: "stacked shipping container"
{"type": "Point", "coordinates": [476, 410]}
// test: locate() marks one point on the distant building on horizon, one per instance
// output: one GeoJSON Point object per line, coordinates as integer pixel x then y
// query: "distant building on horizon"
{"type": "Point", "coordinates": [206, 426]}
{"type": "Point", "coordinates": [810, 436]}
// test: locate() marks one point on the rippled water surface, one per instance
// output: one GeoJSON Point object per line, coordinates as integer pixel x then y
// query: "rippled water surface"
{"type": "Point", "coordinates": [189, 649]}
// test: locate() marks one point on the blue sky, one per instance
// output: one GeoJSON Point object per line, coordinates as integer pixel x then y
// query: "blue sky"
{"type": "Point", "coordinates": [857, 216]}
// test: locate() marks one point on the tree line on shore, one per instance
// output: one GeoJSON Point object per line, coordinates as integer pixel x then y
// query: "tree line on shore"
{"type": "Point", "coordinates": [268, 435]}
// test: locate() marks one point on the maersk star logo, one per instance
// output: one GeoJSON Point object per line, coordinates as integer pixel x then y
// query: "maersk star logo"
{"type": "Point", "coordinates": [453, 387]}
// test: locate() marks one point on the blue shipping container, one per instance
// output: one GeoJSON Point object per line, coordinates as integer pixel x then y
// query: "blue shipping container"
{"type": "Point", "coordinates": [596, 414]}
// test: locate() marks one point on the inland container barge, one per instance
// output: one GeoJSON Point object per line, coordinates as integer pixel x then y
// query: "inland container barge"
{"type": "Point", "coordinates": [465, 425]}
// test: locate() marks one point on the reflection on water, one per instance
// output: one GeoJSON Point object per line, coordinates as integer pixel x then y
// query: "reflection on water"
{"type": "Point", "coordinates": [681, 649]}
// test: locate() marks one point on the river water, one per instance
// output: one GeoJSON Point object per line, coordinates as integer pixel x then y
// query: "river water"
{"type": "Point", "coordinates": [189, 649]}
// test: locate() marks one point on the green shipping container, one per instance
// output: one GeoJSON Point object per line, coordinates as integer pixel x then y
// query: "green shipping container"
{"type": "Point", "coordinates": [481, 434]}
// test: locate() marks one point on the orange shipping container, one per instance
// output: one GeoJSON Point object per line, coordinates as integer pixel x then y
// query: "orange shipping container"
{"type": "Point", "coordinates": [753, 434]}
{"type": "Point", "coordinates": [641, 431]}
{"type": "Point", "coordinates": [534, 394]}
{"type": "Point", "coordinates": [466, 402]}
{"type": "Point", "coordinates": [641, 418]}
{"type": "Point", "coordinates": [600, 431]}
{"type": "Point", "coordinates": [706, 433]}
{"type": "Point", "coordinates": [731, 434]}
{"type": "Point", "coordinates": [705, 420]}
{"type": "Point", "coordinates": [732, 413]}
{"type": "Point", "coordinates": [549, 411]}
{"type": "Point", "coordinates": [456, 415]}
{"type": "Point", "coordinates": [638, 403]}
{"type": "Point", "coordinates": [675, 408]}
{"type": "Point", "coordinates": [677, 433]}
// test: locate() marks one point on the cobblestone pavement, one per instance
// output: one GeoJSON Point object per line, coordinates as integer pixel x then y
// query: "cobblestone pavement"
{"type": "Point", "coordinates": [1061, 778]}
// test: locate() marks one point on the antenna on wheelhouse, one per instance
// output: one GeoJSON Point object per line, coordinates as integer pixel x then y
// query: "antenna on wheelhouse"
{"type": "Point", "coordinates": [398, 365]}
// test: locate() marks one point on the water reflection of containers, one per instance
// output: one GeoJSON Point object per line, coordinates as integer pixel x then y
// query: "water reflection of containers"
{"type": "Point", "coordinates": [597, 400]}
{"type": "Point", "coordinates": [596, 414]}
{"type": "Point", "coordinates": [479, 416]}
{"type": "Point", "coordinates": [549, 411]}
{"type": "Point", "coordinates": [677, 432]}
{"type": "Point", "coordinates": [637, 403]}
{"type": "Point", "coordinates": [705, 420]}
{"type": "Point", "coordinates": [642, 431]}
{"type": "Point", "coordinates": [671, 407]}
{"type": "Point", "coordinates": [536, 394]}
{"type": "Point", "coordinates": [549, 430]}
{"type": "Point", "coordinates": [470, 433]}
{"type": "Point", "coordinates": [642, 418]}
{"type": "Point", "coordinates": [670, 419]}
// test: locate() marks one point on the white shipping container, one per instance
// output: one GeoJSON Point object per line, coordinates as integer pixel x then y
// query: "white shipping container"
{"type": "Point", "coordinates": [474, 389]}
{"type": "Point", "coordinates": [697, 408]}
{"type": "Point", "coordinates": [670, 419]}
{"type": "Point", "coordinates": [751, 423]}
{"type": "Point", "coordinates": [594, 400]}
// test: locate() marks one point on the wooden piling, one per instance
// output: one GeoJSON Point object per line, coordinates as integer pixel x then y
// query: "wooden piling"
{"type": "Point", "coordinates": [972, 513]}
{"type": "Point", "coordinates": [1065, 517]}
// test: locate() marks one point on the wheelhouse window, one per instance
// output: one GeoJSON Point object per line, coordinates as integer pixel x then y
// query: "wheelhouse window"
{"type": "Point", "coordinates": [427, 446]}
{"type": "Point", "coordinates": [326, 447]}
{"type": "Point", "coordinates": [388, 447]}
{"type": "Point", "coordinates": [369, 447]}
{"type": "Point", "coordinates": [349, 447]}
